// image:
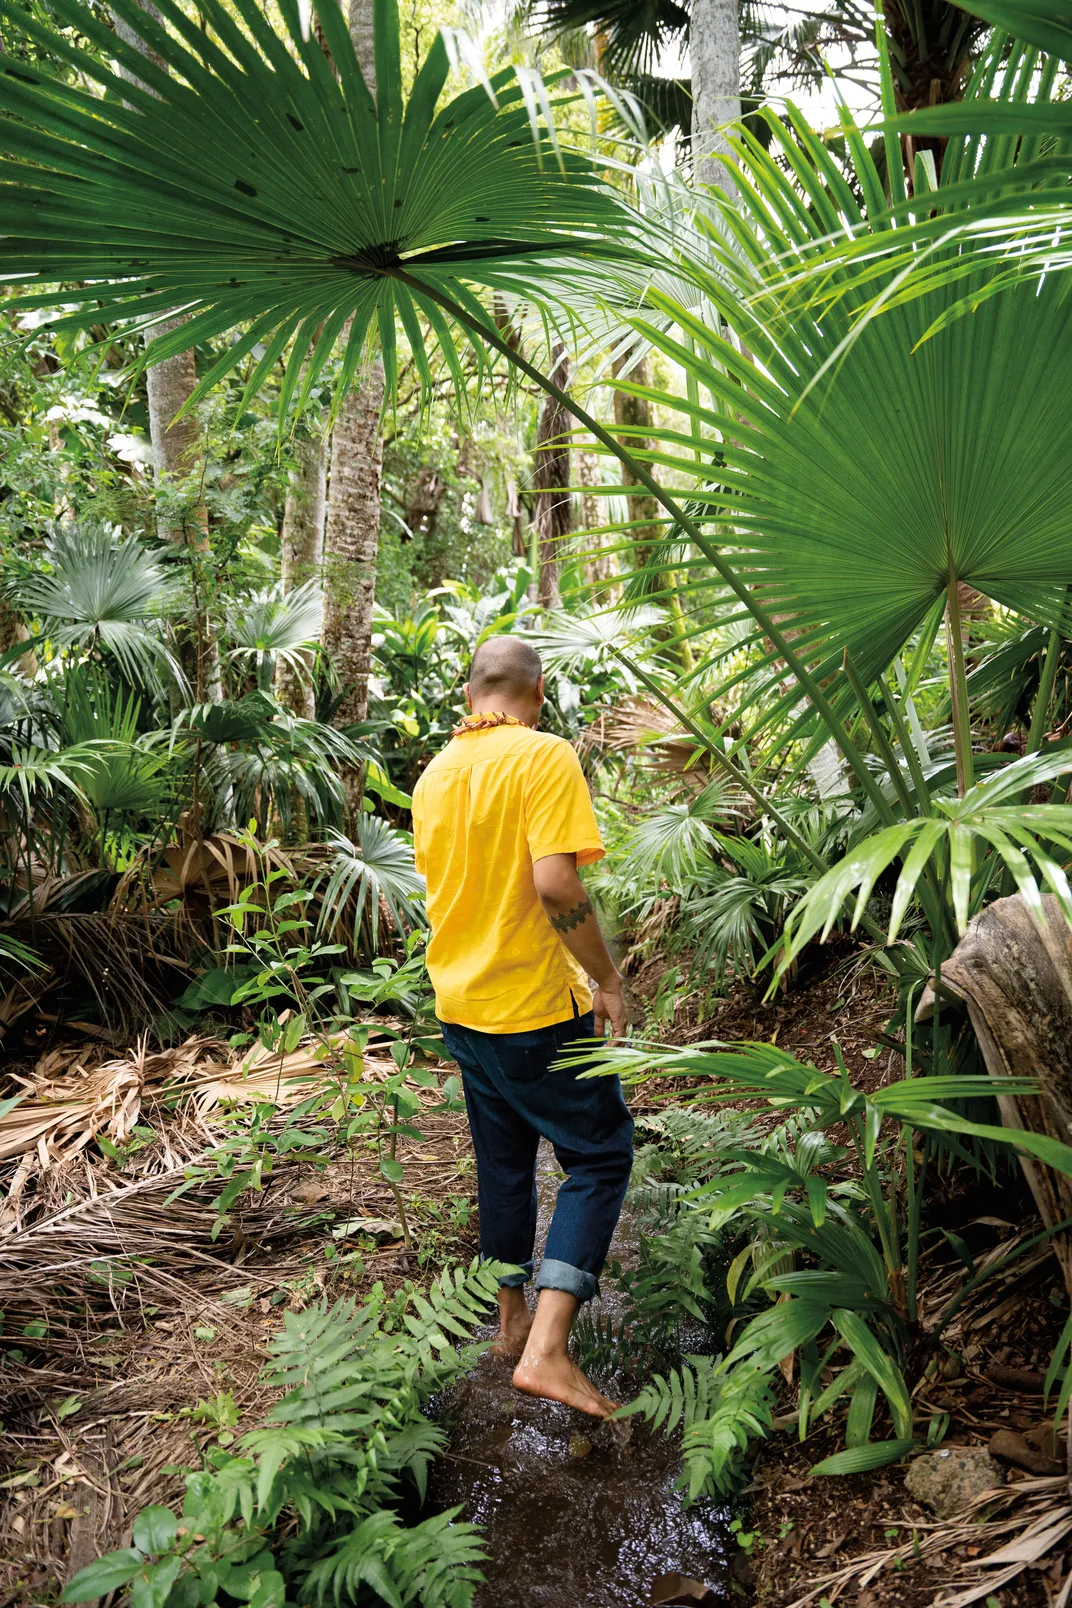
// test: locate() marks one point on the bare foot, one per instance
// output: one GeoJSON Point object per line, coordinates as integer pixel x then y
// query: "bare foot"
{"type": "Point", "coordinates": [556, 1378]}
{"type": "Point", "coordinates": [512, 1336]}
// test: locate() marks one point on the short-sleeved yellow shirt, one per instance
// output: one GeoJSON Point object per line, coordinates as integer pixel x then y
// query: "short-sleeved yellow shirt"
{"type": "Point", "coordinates": [493, 802]}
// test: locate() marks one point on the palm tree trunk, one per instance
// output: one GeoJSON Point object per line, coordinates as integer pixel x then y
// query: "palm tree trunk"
{"type": "Point", "coordinates": [715, 51]}
{"type": "Point", "coordinates": [352, 523]}
{"type": "Point", "coordinates": [551, 482]}
{"type": "Point", "coordinates": [351, 541]}
{"type": "Point", "coordinates": [301, 555]}
{"type": "Point", "coordinates": [601, 562]}
{"type": "Point", "coordinates": [633, 414]}
{"type": "Point", "coordinates": [178, 449]}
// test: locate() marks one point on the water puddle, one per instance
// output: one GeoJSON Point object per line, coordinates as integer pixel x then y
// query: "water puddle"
{"type": "Point", "coordinates": [575, 1511]}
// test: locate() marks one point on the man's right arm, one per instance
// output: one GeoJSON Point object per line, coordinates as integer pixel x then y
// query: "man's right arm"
{"type": "Point", "coordinates": [569, 910]}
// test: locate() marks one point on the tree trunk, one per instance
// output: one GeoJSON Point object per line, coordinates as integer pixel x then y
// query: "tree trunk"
{"type": "Point", "coordinates": [601, 562]}
{"type": "Point", "coordinates": [633, 414]}
{"type": "Point", "coordinates": [1016, 980]}
{"type": "Point", "coordinates": [715, 52]}
{"type": "Point", "coordinates": [551, 483]}
{"type": "Point", "coordinates": [352, 524]}
{"type": "Point", "coordinates": [177, 447]}
{"type": "Point", "coordinates": [925, 71]}
{"type": "Point", "coordinates": [301, 554]}
{"type": "Point", "coordinates": [13, 631]}
{"type": "Point", "coordinates": [351, 541]}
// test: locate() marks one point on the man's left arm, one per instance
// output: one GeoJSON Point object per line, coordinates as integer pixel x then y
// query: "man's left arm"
{"type": "Point", "coordinates": [569, 910]}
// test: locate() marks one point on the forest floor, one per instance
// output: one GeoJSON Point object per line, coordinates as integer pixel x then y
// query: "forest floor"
{"type": "Point", "coordinates": [107, 1390]}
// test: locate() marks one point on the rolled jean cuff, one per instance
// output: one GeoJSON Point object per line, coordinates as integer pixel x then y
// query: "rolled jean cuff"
{"type": "Point", "coordinates": [514, 1281]}
{"type": "Point", "coordinates": [564, 1276]}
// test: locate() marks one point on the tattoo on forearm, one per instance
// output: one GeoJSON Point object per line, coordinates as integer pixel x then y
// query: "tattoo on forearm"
{"type": "Point", "coordinates": [572, 918]}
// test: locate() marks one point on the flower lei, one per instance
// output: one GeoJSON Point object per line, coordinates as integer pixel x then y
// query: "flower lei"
{"type": "Point", "coordinates": [484, 722]}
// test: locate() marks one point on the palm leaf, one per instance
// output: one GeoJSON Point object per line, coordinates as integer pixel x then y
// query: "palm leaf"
{"type": "Point", "coordinates": [1045, 23]}
{"type": "Point", "coordinates": [856, 500]}
{"type": "Point", "coordinates": [277, 626]}
{"type": "Point", "coordinates": [102, 593]}
{"type": "Point", "coordinates": [248, 184]}
{"type": "Point", "coordinates": [376, 865]}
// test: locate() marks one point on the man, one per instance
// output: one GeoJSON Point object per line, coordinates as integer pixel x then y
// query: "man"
{"type": "Point", "coordinates": [502, 818]}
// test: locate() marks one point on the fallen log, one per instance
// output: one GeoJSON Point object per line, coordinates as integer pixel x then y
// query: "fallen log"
{"type": "Point", "coordinates": [1015, 978]}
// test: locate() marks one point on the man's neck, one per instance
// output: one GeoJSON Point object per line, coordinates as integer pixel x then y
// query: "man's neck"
{"type": "Point", "coordinates": [504, 706]}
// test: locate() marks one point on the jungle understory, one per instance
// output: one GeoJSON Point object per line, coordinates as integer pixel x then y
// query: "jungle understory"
{"type": "Point", "coordinates": [137, 1343]}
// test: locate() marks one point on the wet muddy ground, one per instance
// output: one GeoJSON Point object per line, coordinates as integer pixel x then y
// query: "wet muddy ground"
{"type": "Point", "coordinates": [575, 1511]}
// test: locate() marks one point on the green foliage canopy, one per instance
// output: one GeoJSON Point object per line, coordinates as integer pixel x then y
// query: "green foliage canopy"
{"type": "Point", "coordinates": [245, 182]}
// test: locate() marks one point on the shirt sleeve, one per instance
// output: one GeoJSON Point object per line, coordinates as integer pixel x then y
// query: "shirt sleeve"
{"type": "Point", "coordinates": [418, 851]}
{"type": "Point", "coordinates": [559, 818]}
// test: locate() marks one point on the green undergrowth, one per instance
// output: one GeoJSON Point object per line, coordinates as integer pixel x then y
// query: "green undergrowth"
{"type": "Point", "coordinates": [309, 1506]}
{"type": "Point", "coordinates": [675, 1298]}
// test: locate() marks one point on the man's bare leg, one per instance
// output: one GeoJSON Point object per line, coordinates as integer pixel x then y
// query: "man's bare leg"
{"type": "Point", "coordinates": [515, 1321]}
{"type": "Point", "coordinates": [545, 1368]}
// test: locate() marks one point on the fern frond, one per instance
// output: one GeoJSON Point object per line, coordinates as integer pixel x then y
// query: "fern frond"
{"type": "Point", "coordinates": [434, 1564]}
{"type": "Point", "coordinates": [712, 1446]}
{"type": "Point", "coordinates": [455, 1304]}
{"type": "Point", "coordinates": [718, 1409]}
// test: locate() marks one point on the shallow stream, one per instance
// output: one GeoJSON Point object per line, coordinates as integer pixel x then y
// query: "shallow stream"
{"type": "Point", "coordinates": [575, 1511]}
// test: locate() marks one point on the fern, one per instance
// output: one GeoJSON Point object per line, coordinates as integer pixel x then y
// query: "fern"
{"type": "Point", "coordinates": [719, 1410]}
{"type": "Point", "coordinates": [434, 1564]}
{"type": "Point", "coordinates": [324, 1470]}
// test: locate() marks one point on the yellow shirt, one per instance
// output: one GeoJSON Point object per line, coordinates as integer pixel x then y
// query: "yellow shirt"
{"type": "Point", "coordinates": [490, 804]}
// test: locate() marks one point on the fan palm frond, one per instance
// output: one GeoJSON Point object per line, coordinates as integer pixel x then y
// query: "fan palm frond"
{"type": "Point", "coordinates": [377, 864]}
{"type": "Point", "coordinates": [276, 626]}
{"type": "Point", "coordinates": [865, 498]}
{"type": "Point", "coordinates": [246, 182]}
{"type": "Point", "coordinates": [632, 34]}
{"type": "Point", "coordinates": [102, 593]}
{"type": "Point", "coordinates": [567, 642]}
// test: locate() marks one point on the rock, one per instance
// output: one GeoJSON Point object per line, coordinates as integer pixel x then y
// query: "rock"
{"type": "Point", "coordinates": [948, 1480]}
{"type": "Point", "coordinates": [1038, 1451]}
{"type": "Point", "coordinates": [579, 1446]}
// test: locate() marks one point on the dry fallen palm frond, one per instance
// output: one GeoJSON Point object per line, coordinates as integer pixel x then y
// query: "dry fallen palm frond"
{"type": "Point", "coordinates": [68, 1103]}
{"type": "Point", "coordinates": [121, 959]}
{"type": "Point", "coordinates": [643, 725]}
{"type": "Point", "coordinates": [202, 873]}
{"type": "Point", "coordinates": [22, 996]}
{"type": "Point", "coordinates": [1041, 1523]}
{"type": "Point", "coordinates": [134, 1230]}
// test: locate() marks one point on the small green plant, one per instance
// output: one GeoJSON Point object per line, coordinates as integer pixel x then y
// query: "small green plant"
{"type": "Point", "coordinates": [748, 1540]}
{"type": "Point", "coordinates": [307, 1507]}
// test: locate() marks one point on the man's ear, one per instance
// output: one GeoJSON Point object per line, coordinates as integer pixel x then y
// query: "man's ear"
{"type": "Point", "coordinates": [468, 698]}
{"type": "Point", "coordinates": [539, 689]}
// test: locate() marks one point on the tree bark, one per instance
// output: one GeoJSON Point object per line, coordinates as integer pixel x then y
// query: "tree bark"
{"type": "Point", "coordinates": [601, 562]}
{"type": "Point", "coordinates": [351, 542]}
{"type": "Point", "coordinates": [715, 52]}
{"type": "Point", "coordinates": [301, 555]}
{"type": "Point", "coordinates": [352, 524]}
{"type": "Point", "coordinates": [551, 483]}
{"type": "Point", "coordinates": [177, 444]}
{"type": "Point", "coordinates": [633, 413]}
{"type": "Point", "coordinates": [13, 631]}
{"type": "Point", "coordinates": [1016, 981]}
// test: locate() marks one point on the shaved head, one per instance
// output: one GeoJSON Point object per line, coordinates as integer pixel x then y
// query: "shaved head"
{"type": "Point", "coordinates": [504, 665]}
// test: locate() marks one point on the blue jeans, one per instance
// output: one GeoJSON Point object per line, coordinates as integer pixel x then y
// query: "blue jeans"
{"type": "Point", "coordinates": [513, 1098]}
